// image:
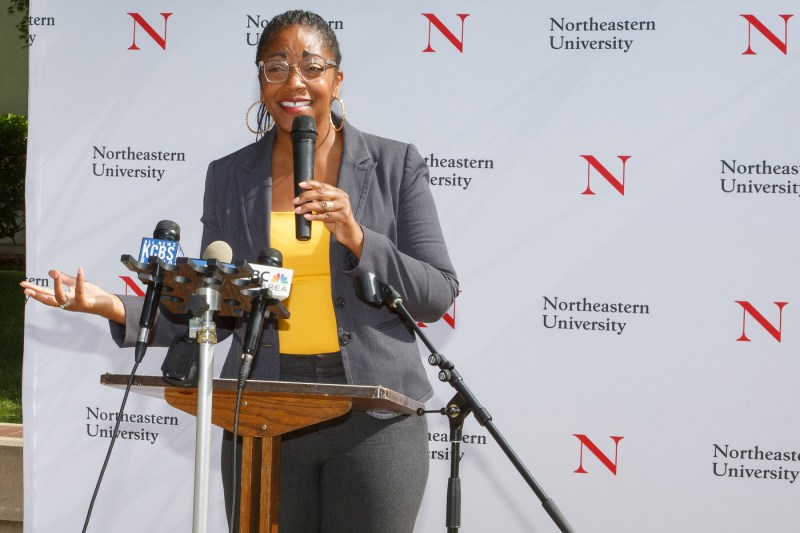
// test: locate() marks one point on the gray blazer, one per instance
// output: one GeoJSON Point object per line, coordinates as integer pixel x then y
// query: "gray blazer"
{"type": "Point", "coordinates": [387, 182]}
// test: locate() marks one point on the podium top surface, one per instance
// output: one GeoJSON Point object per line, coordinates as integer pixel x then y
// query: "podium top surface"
{"type": "Point", "coordinates": [364, 397]}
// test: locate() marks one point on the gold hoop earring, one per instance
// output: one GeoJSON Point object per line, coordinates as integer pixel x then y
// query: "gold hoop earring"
{"type": "Point", "coordinates": [270, 123]}
{"type": "Point", "coordinates": [341, 104]}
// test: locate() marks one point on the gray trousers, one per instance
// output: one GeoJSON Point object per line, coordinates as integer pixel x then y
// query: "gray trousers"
{"type": "Point", "coordinates": [353, 474]}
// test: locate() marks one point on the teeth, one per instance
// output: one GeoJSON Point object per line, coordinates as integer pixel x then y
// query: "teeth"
{"type": "Point", "coordinates": [304, 103]}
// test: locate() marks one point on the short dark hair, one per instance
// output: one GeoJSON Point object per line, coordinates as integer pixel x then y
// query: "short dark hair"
{"type": "Point", "coordinates": [306, 19]}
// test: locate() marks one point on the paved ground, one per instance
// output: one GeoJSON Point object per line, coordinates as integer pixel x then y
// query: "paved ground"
{"type": "Point", "coordinates": [11, 430]}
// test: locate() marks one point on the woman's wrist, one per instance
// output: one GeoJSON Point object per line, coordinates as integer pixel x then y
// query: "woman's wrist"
{"type": "Point", "coordinates": [110, 306]}
{"type": "Point", "coordinates": [353, 240]}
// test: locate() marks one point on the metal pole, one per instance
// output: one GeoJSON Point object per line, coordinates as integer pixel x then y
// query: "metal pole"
{"type": "Point", "coordinates": [206, 337]}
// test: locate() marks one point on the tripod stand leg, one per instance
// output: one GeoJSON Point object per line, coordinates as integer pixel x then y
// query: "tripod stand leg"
{"type": "Point", "coordinates": [457, 411]}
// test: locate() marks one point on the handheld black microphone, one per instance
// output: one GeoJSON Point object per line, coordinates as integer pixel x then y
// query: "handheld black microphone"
{"type": "Point", "coordinates": [169, 231]}
{"type": "Point", "coordinates": [255, 322]}
{"type": "Point", "coordinates": [304, 136]}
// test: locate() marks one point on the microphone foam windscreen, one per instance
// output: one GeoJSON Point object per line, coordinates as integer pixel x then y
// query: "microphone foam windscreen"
{"type": "Point", "coordinates": [219, 250]}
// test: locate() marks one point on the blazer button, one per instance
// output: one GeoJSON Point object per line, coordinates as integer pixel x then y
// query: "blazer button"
{"type": "Point", "coordinates": [345, 338]}
{"type": "Point", "coordinates": [339, 302]}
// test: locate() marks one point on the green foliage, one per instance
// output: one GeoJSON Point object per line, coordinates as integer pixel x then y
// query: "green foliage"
{"type": "Point", "coordinates": [23, 7]}
{"type": "Point", "coordinates": [12, 302]}
{"type": "Point", "coordinates": [13, 144]}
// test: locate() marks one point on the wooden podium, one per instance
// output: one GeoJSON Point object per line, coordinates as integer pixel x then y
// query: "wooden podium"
{"type": "Point", "coordinates": [269, 409]}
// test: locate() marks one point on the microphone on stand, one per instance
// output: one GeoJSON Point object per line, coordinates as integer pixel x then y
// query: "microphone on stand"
{"type": "Point", "coordinates": [206, 299]}
{"type": "Point", "coordinates": [270, 272]}
{"type": "Point", "coordinates": [368, 289]}
{"type": "Point", "coordinates": [374, 292]}
{"type": "Point", "coordinates": [165, 243]}
{"type": "Point", "coordinates": [164, 246]}
{"type": "Point", "coordinates": [218, 250]}
{"type": "Point", "coordinates": [304, 136]}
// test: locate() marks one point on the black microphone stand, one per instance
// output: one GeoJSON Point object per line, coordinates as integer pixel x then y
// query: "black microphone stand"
{"type": "Point", "coordinates": [462, 404]}
{"type": "Point", "coordinates": [456, 412]}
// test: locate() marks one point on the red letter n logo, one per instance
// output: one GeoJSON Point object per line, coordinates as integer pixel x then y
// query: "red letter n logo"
{"type": "Point", "coordinates": [748, 309]}
{"type": "Point", "coordinates": [139, 21]}
{"type": "Point", "coordinates": [592, 447]}
{"type": "Point", "coordinates": [753, 22]}
{"type": "Point", "coordinates": [433, 20]}
{"type": "Point", "coordinates": [592, 162]}
{"type": "Point", "coordinates": [130, 284]}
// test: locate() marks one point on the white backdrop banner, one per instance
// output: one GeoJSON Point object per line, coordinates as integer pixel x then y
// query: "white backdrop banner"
{"type": "Point", "coordinates": [616, 183]}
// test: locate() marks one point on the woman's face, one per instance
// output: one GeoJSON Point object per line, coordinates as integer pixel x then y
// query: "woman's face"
{"type": "Point", "coordinates": [296, 96]}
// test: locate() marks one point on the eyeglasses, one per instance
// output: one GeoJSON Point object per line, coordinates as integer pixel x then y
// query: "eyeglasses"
{"type": "Point", "coordinates": [311, 69]}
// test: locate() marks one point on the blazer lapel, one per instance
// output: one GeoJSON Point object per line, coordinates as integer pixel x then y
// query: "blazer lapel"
{"type": "Point", "coordinates": [255, 188]}
{"type": "Point", "coordinates": [356, 169]}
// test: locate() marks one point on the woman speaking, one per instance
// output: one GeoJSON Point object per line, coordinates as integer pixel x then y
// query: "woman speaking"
{"type": "Point", "coordinates": [370, 210]}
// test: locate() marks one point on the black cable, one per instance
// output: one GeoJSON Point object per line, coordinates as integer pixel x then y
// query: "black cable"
{"type": "Point", "coordinates": [111, 445]}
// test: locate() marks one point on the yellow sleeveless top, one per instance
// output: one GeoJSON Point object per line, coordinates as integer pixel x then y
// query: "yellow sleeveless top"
{"type": "Point", "coordinates": [311, 329]}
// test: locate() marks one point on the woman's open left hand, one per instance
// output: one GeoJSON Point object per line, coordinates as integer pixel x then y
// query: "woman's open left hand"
{"type": "Point", "coordinates": [75, 294]}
